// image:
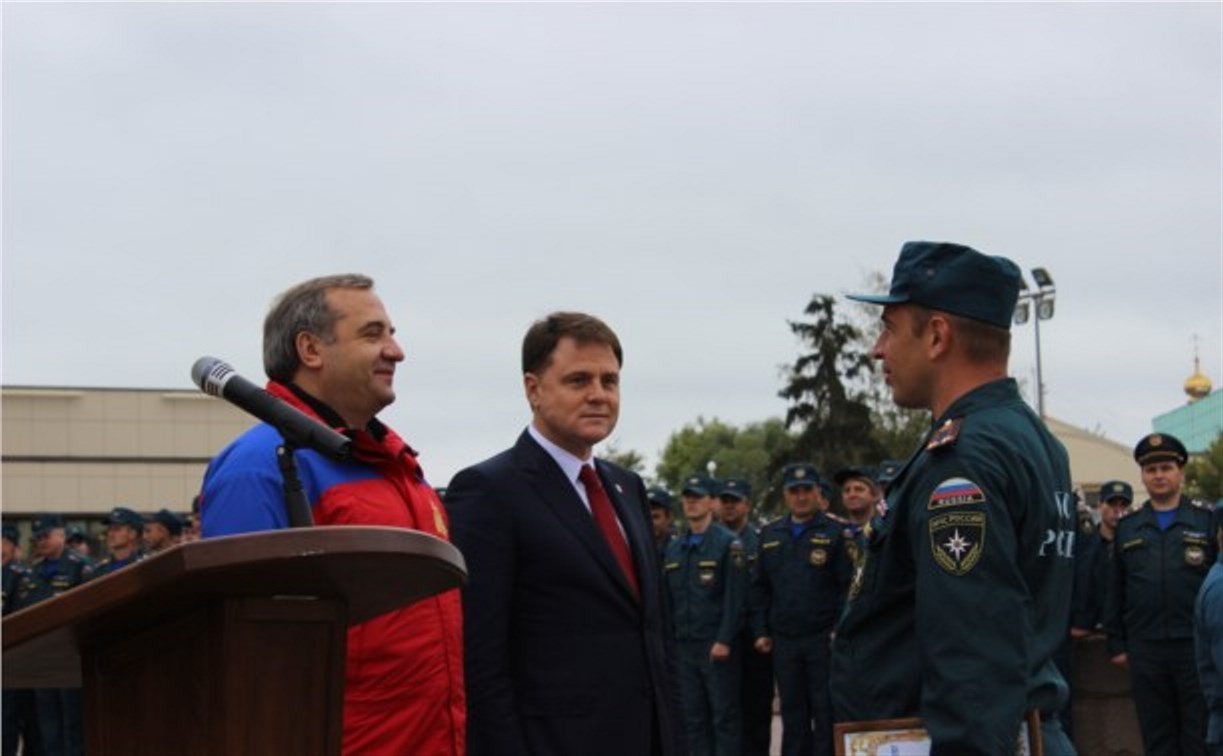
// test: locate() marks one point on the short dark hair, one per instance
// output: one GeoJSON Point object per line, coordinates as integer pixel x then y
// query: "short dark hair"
{"type": "Point", "coordinates": [983, 342]}
{"type": "Point", "coordinates": [302, 308]}
{"type": "Point", "coordinates": [544, 334]}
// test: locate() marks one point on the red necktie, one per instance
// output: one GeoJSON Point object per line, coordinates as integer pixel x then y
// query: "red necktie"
{"type": "Point", "coordinates": [605, 518]}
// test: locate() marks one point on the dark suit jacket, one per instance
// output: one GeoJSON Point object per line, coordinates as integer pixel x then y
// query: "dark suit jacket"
{"type": "Point", "coordinates": [560, 657]}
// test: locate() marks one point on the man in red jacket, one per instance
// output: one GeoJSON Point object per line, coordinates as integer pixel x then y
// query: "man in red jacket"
{"type": "Point", "coordinates": [330, 351]}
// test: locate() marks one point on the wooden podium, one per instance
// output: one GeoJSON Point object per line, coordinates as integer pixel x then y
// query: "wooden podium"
{"type": "Point", "coordinates": [229, 645]}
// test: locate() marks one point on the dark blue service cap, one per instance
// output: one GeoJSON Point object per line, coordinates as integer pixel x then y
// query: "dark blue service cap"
{"type": "Point", "coordinates": [125, 516]}
{"type": "Point", "coordinates": [955, 279]}
{"type": "Point", "coordinates": [659, 497]}
{"type": "Point", "coordinates": [171, 521]}
{"type": "Point", "coordinates": [45, 522]}
{"type": "Point", "coordinates": [1160, 447]}
{"type": "Point", "coordinates": [888, 470]}
{"type": "Point", "coordinates": [800, 474]}
{"type": "Point", "coordinates": [1117, 489]}
{"type": "Point", "coordinates": [735, 488]}
{"type": "Point", "coordinates": [699, 484]}
{"type": "Point", "coordinates": [74, 533]}
{"type": "Point", "coordinates": [10, 533]}
{"type": "Point", "coordinates": [849, 473]}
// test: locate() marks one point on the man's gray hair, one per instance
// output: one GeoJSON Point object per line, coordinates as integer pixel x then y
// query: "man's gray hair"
{"type": "Point", "coordinates": [302, 308]}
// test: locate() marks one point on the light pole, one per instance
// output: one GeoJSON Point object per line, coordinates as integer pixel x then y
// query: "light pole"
{"type": "Point", "coordinates": [1042, 298]}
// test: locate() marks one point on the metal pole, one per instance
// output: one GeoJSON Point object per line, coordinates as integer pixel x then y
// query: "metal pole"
{"type": "Point", "coordinates": [1040, 380]}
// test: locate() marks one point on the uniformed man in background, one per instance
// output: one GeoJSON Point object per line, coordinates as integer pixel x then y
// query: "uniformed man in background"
{"type": "Point", "coordinates": [18, 728]}
{"type": "Point", "coordinates": [888, 470]}
{"type": "Point", "coordinates": [77, 541]}
{"type": "Point", "coordinates": [123, 529]}
{"type": "Point", "coordinates": [1161, 554]}
{"type": "Point", "coordinates": [964, 594]}
{"type": "Point", "coordinates": [705, 571]}
{"type": "Point", "coordinates": [662, 518]}
{"type": "Point", "coordinates": [1091, 569]}
{"type": "Point", "coordinates": [55, 569]}
{"type": "Point", "coordinates": [162, 530]}
{"type": "Point", "coordinates": [802, 575]}
{"type": "Point", "coordinates": [756, 668]}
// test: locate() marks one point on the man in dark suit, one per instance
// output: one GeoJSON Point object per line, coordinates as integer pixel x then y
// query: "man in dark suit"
{"type": "Point", "coordinates": [564, 632]}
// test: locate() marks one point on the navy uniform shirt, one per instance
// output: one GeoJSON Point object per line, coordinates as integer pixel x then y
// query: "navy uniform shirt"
{"type": "Point", "coordinates": [964, 593]}
{"type": "Point", "coordinates": [111, 564]}
{"type": "Point", "coordinates": [1156, 574]}
{"type": "Point", "coordinates": [1091, 575]}
{"type": "Point", "coordinates": [12, 574]}
{"type": "Point", "coordinates": [51, 577]}
{"type": "Point", "coordinates": [750, 538]}
{"type": "Point", "coordinates": [802, 575]}
{"type": "Point", "coordinates": [706, 577]}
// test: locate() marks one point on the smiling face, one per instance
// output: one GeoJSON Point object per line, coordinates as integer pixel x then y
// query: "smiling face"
{"type": "Point", "coordinates": [575, 398]}
{"type": "Point", "coordinates": [859, 496]}
{"type": "Point", "coordinates": [352, 370]}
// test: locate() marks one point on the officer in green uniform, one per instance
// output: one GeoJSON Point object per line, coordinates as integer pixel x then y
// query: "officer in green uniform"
{"type": "Point", "coordinates": [756, 669]}
{"type": "Point", "coordinates": [123, 529]}
{"type": "Point", "coordinates": [1093, 560]}
{"type": "Point", "coordinates": [964, 594]}
{"type": "Point", "coordinates": [803, 573]}
{"type": "Point", "coordinates": [13, 570]}
{"type": "Point", "coordinates": [55, 569]}
{"type": "Point", "coordinates": [1161, 554]}
{"type": "Point", "coordinates": [17, 730]}
{"type": "Point", "coordinates": [706, 578]}
{"type": "Point", "coordinates": [662, 518]}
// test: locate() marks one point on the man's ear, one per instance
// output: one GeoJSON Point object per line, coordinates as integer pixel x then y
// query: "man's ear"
{"type": "Point", "coordinates": [530, 386]}
{"type": "Point", "coordinates": [309, 349]}
{"type": "Point", "coordinates": [939, 335]}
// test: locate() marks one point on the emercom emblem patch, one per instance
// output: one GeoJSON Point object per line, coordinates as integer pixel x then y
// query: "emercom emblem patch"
{"type": "Point", "coordinates": [957, 540]}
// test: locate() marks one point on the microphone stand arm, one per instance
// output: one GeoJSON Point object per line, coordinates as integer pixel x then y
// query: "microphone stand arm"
{"type": "Point", "coordinates": [297, 506]}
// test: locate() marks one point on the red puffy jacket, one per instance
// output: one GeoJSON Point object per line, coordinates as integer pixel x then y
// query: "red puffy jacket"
{"type": "Point", "coordinates": [404, 690]}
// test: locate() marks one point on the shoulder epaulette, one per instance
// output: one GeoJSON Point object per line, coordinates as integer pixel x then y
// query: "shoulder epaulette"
{"type": "Point", "coordinates": [946, 434]}
{"type": "Point", "coordinates": [1202, 505]}
{"type": "Point", "coordinates": [771, 523]}
{"type": "Point", "coordinates": [838, 519]}
{"type": "Point", "coordinates": [1132, 509]}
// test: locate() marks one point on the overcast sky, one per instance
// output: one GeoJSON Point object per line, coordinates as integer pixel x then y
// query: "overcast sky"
{"type": "Point", "coordinates": [692, 173]}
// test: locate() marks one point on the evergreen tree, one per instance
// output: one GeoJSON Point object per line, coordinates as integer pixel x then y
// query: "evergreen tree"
{"type": "Point", "coordinates": [827, 392]}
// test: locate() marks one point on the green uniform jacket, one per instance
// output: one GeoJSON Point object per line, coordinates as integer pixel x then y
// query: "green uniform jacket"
{"type": "Point", "coordinates": [964, 592]}
{"type": "Point", "coordinates": [1155, 575]}
{"type": "Point", "coordinates": [707, 583]}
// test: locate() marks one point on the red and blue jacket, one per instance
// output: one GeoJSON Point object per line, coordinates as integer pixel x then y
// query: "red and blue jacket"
{"type": "Point", "coordinates": [404, 688]}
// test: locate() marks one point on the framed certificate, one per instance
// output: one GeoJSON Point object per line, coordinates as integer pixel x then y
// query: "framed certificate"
{"type": "Point", "coordinates": [907, 737]}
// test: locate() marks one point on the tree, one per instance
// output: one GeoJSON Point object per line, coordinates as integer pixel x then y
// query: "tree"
{"type": "Point", "coordinates": [746, 452]}
{"type": "Point", "coordinates": [629, 459]}
{"type": "Point", "coordinates": [1204, 473]}
{"type": "Point", "coordinates": [827, 392]}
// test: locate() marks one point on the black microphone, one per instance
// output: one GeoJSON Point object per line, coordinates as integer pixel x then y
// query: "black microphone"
{"type": "Point", "coordinates": [217, 378]}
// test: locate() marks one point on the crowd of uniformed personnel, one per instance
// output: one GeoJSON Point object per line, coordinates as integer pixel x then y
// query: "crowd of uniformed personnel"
{"type": "Point", "coordinates": [48, 722]}
{"type": "Point", "coordinates": [755, 608]}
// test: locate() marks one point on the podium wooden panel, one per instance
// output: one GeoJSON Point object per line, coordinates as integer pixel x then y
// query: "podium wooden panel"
{"type": "Point", "coordinates": [229, 645]}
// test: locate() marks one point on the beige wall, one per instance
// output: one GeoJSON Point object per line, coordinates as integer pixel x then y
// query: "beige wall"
{"type": "Point", "coordinates": [86, 450]}
{"type": "Point", "coordinates": [1094, 459]}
